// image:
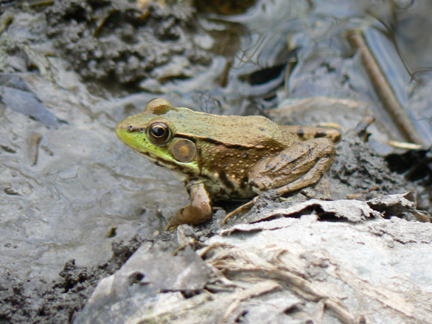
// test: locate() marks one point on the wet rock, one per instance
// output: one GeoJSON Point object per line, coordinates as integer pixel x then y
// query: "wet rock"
{"type": "Point", "coordinates": [296, 270]}
{"type": "Point", "coordinates": [354, 211]}
{"type": "Point", "coordinates": [400, 205]}
{"type": "Point", "coordinates": [336, 260]}
{"type": "Point", "coordinates": [16, 95]}
{"type": "Point", "coordinates": [150, 271]}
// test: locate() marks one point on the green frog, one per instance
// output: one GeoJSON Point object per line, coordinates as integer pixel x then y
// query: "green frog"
{"type": "Point", "coordinates": [227, 157]}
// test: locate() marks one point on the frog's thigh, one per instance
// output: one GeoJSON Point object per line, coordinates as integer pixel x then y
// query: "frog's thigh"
{"type": "Point", "coordinates": [294, 168]}
{"type": "Point", "coordinates": [197, 212]}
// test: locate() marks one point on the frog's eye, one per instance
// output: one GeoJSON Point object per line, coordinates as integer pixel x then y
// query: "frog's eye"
{"type": "Point", "coordinates": [159, 132]}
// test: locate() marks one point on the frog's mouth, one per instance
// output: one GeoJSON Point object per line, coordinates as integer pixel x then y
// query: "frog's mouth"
{"type": "Point", "coordinates": [173, 166]}
{"type": "Point", "coordinates": [130, 141]}
{"type": "Point", "coordinates": [141, 151]}
{"type": "Point", "coordinates": [147, 154]}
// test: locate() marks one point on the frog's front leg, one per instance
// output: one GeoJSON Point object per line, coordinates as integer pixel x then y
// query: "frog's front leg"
{"type": "Point", "coordinates": [294, 168]}
{"type": "Point", "coordinates": [197, 212]}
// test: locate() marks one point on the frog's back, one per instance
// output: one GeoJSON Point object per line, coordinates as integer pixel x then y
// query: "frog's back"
{"type": "Point", "coordinates": [230, 130]}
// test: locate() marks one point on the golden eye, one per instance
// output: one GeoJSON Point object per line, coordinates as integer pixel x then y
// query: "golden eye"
{"type": "Point", "coordinates": [159, 132]}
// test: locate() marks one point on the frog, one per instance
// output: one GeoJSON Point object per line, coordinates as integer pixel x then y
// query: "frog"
{"type": "Point", "coordinates": [227, 157]}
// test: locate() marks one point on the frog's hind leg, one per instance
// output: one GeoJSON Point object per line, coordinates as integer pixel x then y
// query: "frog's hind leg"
{"type": "Point", "coordinates": [294, 168]}
{"type": "Point", "coordinates": [310, 178]}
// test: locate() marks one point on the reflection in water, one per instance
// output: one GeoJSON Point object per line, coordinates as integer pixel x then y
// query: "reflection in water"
{"type": "Point", "coordinates": [315, 36]}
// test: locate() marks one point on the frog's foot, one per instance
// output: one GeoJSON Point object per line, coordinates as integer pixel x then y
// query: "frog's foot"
{"type": "Point", "coordinates": [292, 169]}
{"type": "Point", "coordinates": [242, 209]}
{"type": "Point", "coordinates": [310, 178]}
{"type": "Point", "coordinates": [197, 212]}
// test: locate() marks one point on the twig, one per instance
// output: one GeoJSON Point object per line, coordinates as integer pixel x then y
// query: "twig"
{"type": "Point", "coordinates": [384, 90]}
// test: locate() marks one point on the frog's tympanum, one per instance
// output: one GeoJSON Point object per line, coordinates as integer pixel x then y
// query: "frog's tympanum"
{"type": "Point", "coordinates": [227, 157]}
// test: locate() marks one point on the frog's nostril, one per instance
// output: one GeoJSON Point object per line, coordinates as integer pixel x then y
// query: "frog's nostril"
{"type": "Point", "coordinates": [131, 128]}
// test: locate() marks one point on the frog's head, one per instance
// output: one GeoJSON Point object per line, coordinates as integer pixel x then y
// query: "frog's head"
{"type": "Point", "coordinates": [152, 133]}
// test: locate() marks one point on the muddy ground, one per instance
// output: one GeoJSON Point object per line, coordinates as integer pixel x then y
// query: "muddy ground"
{"type": "Point", "coordinates": [78, 67]}
{"type": "Point", "coordinates": [356, 170]}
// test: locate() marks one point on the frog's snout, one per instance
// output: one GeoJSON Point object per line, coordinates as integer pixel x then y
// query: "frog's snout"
{"type": "Point", "coordinates": [129, 128]}
{"type": "Point", "coordinates": [126, 126]}
{"type": "Point", "coordinates": [123, 125]}
{"type": "Point", "coordinates": [120, 130]}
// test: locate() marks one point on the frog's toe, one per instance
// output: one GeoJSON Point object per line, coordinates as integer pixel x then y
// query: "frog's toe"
{"type": "Point", "coordinates": [171, 228]}
{"type": "Point", "coordinates": [260, 185]}
{"type": "Point", "coordinates": [242, 209]}
{"type": "Point", "coordinates": [173, 224]}
{"type": "Point", "coordinates": [183, 216]}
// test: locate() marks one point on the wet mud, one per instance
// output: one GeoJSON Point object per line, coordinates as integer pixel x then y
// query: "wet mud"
{"type": "Point", "coordinates": [58, 301]}
{"type": "Point", "coordinates": [115, 41]}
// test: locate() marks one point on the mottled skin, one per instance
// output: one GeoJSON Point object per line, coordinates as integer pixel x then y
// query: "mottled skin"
{"type": "Point", "coordinates": [227, 157]}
